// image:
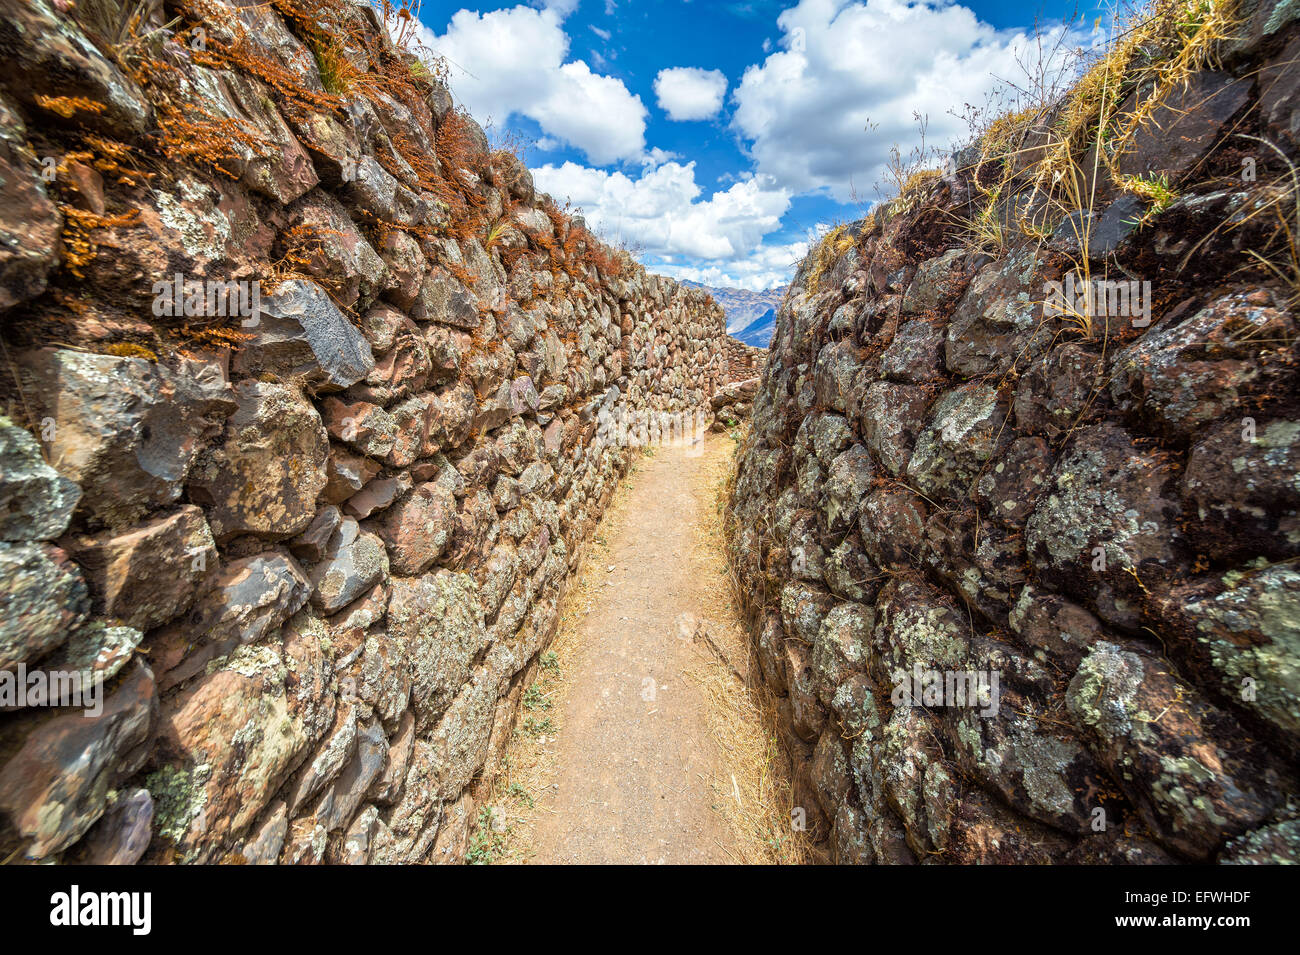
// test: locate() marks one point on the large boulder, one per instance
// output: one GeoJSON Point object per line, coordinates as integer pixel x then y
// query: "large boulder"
{"type": "Point", "coordinates": [890, 417]}
{"type": "Point", "coordinates": [336, 253]}
{"type": "Point", "coordinates": [1184, 374]}
{"type": "Point", "coordinates": [1183, 127]}
{"type": "Point", "coordinates": [1243, 629]}
{"type": "Point", "coordinates": [418, 528]}
{"type": "Point", "coordinates": [377, 195]}
{"type": "Point", "coordinates": [1243, 484]}
{"type": "Point", "coordinates": [299, 333]}
{"type": "Point", "coordinates": [125, 429]}
{"type": "Point", "coordinates": [265, 478]}
{"type": "Point", "coordinates": [1109, 521]}
{"type": "Point", "coordinates": [999, 321]}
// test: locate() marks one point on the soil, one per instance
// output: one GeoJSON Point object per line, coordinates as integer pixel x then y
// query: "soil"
{"type": "Point", "coordinates": [627, 767]}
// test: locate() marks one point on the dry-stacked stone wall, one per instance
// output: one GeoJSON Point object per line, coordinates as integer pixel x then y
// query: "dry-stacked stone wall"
{"type": "Point", "coordinates": [731, 403]}
{"type": "Point", "coordinates": [1028, 591]}
{"type": "Point", "coordinates": [311, 546]}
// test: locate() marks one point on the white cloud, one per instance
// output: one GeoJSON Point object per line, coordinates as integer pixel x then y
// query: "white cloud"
{"type": "Point", "coordinates": [562, 7]}
{"type": "Point", "coordinates": [768, 266]}
{"type": "Point", "coordinates": [688, 92]}
{"type": "Point", "coordinates": [842, 65]}
{"type": "Point", "coordinates": [661, 212]}
{"type": "Point", "coordinates": [512, 62]}
{"type": "Point", "coordinates": [603, 34]}
{"type": "Point", "coordinates": [657, 157]}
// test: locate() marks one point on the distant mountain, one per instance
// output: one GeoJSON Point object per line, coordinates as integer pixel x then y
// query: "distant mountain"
{"type": "Point", "coordinates": [746, 310]}
{"type": "Point", "coordinates": [758, 332]}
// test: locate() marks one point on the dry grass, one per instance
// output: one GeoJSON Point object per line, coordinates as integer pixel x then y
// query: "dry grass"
{"type": "Point", "coordinates": [756, 797]}
{"type": "Point", "coordinates": [1279, 202]}
{"type": "Point", "coordinates": [826, 253]}
{"type": "Point", "coordinates": [1057, 160]}
{"type": "Point", "coordinates": [530, 766]}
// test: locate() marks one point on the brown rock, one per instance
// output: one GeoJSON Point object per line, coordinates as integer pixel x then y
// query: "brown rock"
{"type": "Point", "coordinates": [346, 474]}
{"type": "Point", "coordinates": [149, 574]}
{"type": "Point", "coordinates": [56, 785]}
{"type": "Point", "coordinates": [243, 603]}
{"type": "Point", "coordinates": [265, 478]}
{"type": "Point", "coordinates": [418, 528]}
{"type": "Point", "coordinates": [365, 427]}
{"type": "Point", "coordinates": [229, 741]}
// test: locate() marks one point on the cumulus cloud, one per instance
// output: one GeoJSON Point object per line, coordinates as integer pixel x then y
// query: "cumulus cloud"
{"type": "Point", "coordinates": [562, 7]}
{"type": "Point", "coordinates": [818, 112]}
{"type": "Point", "coordinates": [770, 265]}
{"type": "Point", "coordinates": [662, 214]}
{"type": "Point", "coordinates": [844, 67]}
{"type": "Point", "coordinates": [688, 92]}
{"type": "Point", "coordinates": [512, 62]}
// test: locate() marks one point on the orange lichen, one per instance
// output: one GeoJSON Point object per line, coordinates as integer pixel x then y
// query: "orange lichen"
{"type": "Point", "coordinates": [80, 243]}
{"type": "Point", "coordinates": [69, 106]}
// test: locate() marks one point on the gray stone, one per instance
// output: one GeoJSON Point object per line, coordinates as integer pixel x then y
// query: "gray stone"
{"type": "Point", "coordinates": [354, 561]}
{"type": "Point", "coordinates": [44, 599]}
{"type": "Point", "coordinates": [1138, 715]}
{"type": "Point", "coordinates": [265, 478]}
{"type": "Point", "coordinates": [301, 334]}
{"type": "Point", "coordinates": [125, 429]}
{"type": "Point", "coordinates": [438, 620]}
{"type": "Point", "coordinates": [122, 834]}
{"type": "Point", "coordinates": [958, 441]}
{"type": "Point", "coordinates": [35, 502]}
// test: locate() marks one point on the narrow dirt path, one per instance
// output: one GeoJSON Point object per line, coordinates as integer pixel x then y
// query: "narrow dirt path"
{"type": "Point", "coordinates": [640, 758]}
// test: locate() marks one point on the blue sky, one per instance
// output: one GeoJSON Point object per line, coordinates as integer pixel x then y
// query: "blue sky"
{"type": "Point", "coordinates": [716, 138]}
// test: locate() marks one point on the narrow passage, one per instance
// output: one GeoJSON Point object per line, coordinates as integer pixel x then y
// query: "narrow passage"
{"type": "Point", "coordinates": [643, 747]}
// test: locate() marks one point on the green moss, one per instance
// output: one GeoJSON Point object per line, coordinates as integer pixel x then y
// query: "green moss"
{"type": "Point", "coordinates": [178, 798]}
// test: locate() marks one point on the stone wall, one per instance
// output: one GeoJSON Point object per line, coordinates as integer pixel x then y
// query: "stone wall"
{"type": "Point", "coordinates": [732, 403]}
{"type": "Point", "coordinates": [743, 361]}
{"type": "Point", "coordinates": [944, 486]}
{"type": "Point", "coordinates": [314, 552]}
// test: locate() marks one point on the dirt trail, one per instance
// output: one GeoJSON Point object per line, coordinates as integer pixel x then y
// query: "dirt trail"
{"type": "Point", "coordinates": [635, 773]}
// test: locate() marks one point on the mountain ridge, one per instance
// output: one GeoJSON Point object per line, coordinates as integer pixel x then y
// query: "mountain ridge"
{"type": "Point", "coordinates": [750, 315]}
